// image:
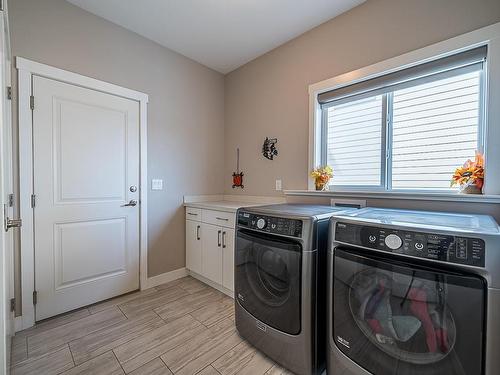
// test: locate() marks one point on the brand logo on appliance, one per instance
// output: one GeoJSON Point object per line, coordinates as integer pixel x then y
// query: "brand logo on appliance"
{"type": "Point", "coordinates": [241, 298]}
{"type": "Point", "coordinates": [344, 342]}
{"type": "Point", "coordinates": [261, 326]}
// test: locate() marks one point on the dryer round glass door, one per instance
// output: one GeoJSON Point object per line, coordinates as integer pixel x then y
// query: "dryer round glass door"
{"type": "Point", "coordinates": [267, 279]}
{"type": "Point", "coordinates": [396, 318]}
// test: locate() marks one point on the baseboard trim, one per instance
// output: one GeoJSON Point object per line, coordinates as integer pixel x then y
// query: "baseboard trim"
{"type": "Point", "coordinates": [164, 278]}
{"type": "Point", "coordinates": [219, 287]}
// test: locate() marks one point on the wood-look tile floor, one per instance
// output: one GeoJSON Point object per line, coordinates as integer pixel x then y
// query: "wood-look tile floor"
{"type": "Point", "coordinates": [183, 327]}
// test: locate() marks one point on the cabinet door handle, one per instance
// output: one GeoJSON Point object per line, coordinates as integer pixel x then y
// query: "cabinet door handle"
{"type": "Point", "coordinates": [224, 239]}
{"type": "Point", "coordinates": [218, 237]}
{"type": "Point", "coordinates": [192, 214]}
{"type": "Point", "coordinates": [222, 218]}
{"type": "Point", "coordinates": [198, 232]}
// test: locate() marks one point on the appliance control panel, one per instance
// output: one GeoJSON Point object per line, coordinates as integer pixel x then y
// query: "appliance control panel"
{"type": "Point", "coordinates": [445, 248]}
{"type": "Point", "coordinates": [270, 224]}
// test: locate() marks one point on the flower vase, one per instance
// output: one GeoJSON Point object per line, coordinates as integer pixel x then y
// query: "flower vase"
{"type": "Point", "coordinates": [321, 186]}
{"type": "Point", "coordinates": [470, 189]}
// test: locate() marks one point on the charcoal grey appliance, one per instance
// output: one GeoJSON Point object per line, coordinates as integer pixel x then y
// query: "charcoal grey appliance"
{"type": "Point", "coordinates": [413, 292]}
{"type": "Point", "coordinates": [280, 282]}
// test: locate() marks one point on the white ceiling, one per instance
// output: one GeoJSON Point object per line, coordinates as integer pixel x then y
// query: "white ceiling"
{"type": "Point", "coordinates": [221, 34]}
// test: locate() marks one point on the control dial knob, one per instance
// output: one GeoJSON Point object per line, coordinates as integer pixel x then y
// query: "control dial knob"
{"type": "Point", "coordinates": [261, 223]}
{"type": "Point", "coordinates": [393, 241]}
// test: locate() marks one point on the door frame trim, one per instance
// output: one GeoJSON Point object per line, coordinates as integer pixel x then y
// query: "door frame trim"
{"type": "Point", "coordinates": [26, 69]}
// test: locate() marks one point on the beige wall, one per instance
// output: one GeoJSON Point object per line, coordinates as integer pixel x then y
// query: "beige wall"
{"type": "Point", "coordinates": [185, 112]}
{"type": "Point", "coordinates": [269, 96]}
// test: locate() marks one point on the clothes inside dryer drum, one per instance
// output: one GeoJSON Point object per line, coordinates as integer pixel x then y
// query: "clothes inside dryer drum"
{"type": "Point", "coordinates": [447, 306]}
{"type": "Point", "coordinates": [405, 317]}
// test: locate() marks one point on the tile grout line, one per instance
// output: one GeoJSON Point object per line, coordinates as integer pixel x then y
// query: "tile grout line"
{"type": "Point", "coordinates": [117, 360]}
{"type": "Point", "coordinates": [119, 309]}
{"type": "Point", "coordinates": [72, 356]}
{"type": "Point", "coordinates": [169, 369]}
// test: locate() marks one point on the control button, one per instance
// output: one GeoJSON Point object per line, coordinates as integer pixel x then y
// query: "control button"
{"type": "Point", "coordinates": [372, 238]}
{"type": "Point", "coordinates": [393, 241]}
{"type": "Point", "coordinates": [419, 246]}
{"type": "Point", "coordinates": [261, 223]}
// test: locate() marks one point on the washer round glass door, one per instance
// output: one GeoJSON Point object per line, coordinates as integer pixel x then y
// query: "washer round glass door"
{"type": "Point", "coordinates": [267, 279]}
{"type": "Point", "coordinates": [392, 317]}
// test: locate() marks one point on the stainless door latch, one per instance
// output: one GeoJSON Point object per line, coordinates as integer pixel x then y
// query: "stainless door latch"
{"type": "Point", "coordinates": [132, 203]}
{"type": "Point", "coordinates": [12, 223]}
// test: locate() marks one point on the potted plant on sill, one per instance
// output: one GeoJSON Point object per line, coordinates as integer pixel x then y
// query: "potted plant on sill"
{"type": "Point", "coordinates": [322, 176]}
{"type": "Point", "coordinates": [470, 176]}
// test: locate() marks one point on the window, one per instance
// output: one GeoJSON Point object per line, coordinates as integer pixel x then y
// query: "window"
{"type": "Point", "coordinates": [405, 130]}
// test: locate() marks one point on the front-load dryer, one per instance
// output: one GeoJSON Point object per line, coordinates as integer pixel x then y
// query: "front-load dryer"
{"type": "Point", "coordinates": [413, 292]}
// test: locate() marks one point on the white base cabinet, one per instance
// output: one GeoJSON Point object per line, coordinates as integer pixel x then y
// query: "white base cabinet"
{"type": "Point", "coordinates": [211, 253]}
{"type": "Point", "coordinates": [193, 246]}
{"type": "Point", "coordinates": [210, 246]}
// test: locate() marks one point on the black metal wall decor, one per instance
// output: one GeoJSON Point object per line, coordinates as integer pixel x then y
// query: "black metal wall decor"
{"type": "Point", "coordinates": [269, 149]}
{"type": "Point", "coordinates": [238, 176]}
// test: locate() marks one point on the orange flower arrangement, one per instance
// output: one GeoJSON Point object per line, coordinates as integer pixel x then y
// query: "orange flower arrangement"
{"type": "Point", "coordinates": [470, 175]}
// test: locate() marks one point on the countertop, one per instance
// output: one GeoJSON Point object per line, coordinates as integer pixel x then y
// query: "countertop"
{"type": "Point", "coordinates": [226, 206]}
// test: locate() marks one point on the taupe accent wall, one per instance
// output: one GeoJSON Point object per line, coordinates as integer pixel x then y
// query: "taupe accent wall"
{"type": "Point", "coordinates": [268, 97]}
{"type": "Point", "coordinates": [185, 111]}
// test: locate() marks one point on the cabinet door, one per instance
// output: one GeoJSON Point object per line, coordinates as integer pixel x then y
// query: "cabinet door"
{"type": "Point", "coordinates": [228, 258]}
{"type": "Point", "coordinates": [193, 246]}
{"type": "Point", "coordinates": [211, 258]}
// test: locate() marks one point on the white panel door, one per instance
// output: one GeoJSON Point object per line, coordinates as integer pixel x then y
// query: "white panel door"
{"type": "Point", "coordinates": [228, 258]}
{"type": "Point", "coordinates": [86, 168]}
{"type": "Point", "coordinates": [211, 258]}
{"type": "Point", "coordinates": [193, 246]}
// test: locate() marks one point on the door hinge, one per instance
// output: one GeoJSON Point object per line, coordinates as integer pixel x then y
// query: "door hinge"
{"type": "Point", "coordinates": [12, 304]}
{"type": "Point", "coordinates": [35, 297]}
{"type": "Point", "coordinates": [33, 200]}
{"type": "Point", "coordinates": [11, 200]}
{"type": "Point", "coordinates": [9, 92]}
{"type": "Point", "coordinates": [32, 102]}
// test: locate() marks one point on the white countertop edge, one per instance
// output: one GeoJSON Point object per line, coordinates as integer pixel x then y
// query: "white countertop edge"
{"type": "Point", "coordinates": [443, 197]}
{"type": "Point", "coordinates": [203, 198]}
{"type": "Point", "coordinates": [228, 203]}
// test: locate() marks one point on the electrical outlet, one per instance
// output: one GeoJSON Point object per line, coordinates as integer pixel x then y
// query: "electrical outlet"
{"type": "Point", "coordinates": [156, 184]}
{"type": "Point", "coordinates": [278, 185]}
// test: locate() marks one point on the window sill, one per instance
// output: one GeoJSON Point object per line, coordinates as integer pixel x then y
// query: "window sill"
{"type": "Point", "coordinates": [443, 197]}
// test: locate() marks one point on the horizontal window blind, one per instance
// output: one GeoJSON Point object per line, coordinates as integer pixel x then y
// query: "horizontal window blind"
{"type": "Point", "coordinates": [457, 64]}
{"type": "Point", "coordinates": [435, 129]}
{"type": "Point", "coordinates": [354, 142]}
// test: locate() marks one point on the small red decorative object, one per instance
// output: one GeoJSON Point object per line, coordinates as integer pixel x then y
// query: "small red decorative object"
{"type": "Point", "coordinates": [238, 176]}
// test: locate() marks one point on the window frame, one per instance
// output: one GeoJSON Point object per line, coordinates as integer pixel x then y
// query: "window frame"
{"type": "Point", "coordinates": [383, 148]}
{"type": "Point", "coordinates": [489, 117]}
{"type": "Point", "coordinates": [387, 140]}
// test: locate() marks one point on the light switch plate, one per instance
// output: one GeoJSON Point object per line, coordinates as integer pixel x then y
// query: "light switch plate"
{"type": "Point", "coordinates": [278, 185]}
{"type": "Point", "coordinates": [156, 184]}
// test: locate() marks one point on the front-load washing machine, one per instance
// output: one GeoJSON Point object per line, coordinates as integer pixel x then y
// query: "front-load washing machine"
{"type": "Point", "coordinates": [280, 283]}
{"type": "Point", "coordinates": [413, 292]}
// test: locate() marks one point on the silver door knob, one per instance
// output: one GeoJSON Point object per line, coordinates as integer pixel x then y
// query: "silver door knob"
{"type": "Point", "coordinates": [132, 203]}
